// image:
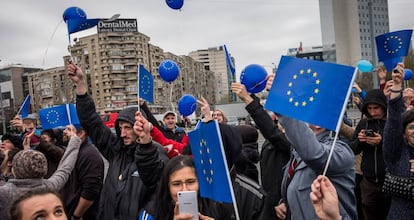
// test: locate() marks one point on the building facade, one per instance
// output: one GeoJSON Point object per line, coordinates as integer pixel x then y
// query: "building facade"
{"type": "Point", "coordinates": [214, 60]}
{"type": "Point", "coordinates": [352, 26]}
{"type": "Point", "coordinates": [13, 91]}
{"type": "Point", "coordinates": [110, 61]}
{"type": "Point", "coordinates": [50, 87]}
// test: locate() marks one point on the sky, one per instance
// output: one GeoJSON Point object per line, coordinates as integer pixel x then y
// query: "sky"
{"type": "Point", "coordinates": [33, 33]}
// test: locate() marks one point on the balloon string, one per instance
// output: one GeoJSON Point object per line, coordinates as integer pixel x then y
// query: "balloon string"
{"type": "Point", "coordinates": [172, 106]}
{"type": "Point", "coordinates": [48, 44]}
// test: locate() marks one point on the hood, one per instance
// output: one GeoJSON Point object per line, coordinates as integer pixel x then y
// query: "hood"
{"type": "Point", "coordinates": [127, 115]}
{"type": "Point", "coordinates": [375, 96]}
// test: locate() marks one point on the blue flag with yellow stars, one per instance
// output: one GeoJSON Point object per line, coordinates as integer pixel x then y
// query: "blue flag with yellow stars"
{"type": "Point", "coordinates": [392, 47]}
{"type": "Point", "coordinates": [58, 116]}
{"type": "Point", "coordinates": [145, 84]}
{"type": "Point", "coordinates": [210, 162]}
{"type": "Point", "coordinates": [80, 24]}
{"type": "Point", "coordinates": [311, 91]}
{"type": "Point", "coordinates": [229, 62]}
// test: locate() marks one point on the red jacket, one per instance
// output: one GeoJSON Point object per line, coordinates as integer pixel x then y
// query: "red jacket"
{"type": "Point", "coordinates": [172, 147]}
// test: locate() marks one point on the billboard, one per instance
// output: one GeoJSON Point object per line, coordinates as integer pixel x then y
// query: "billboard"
{"type": "Point", "coordinates": [118, 25]}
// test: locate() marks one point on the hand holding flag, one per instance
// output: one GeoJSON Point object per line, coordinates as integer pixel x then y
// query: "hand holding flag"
{"type": "Point", "coordinates": [392, 47]}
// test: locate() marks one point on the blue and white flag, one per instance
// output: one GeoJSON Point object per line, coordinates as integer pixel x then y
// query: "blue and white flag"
{"type": "Point", "coordinates": [57, 116]}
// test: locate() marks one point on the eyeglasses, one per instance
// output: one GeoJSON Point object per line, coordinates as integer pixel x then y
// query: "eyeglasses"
{"type": "Point", "coordinates": [179, 184]}
{"type": "Point", "coordinates": [217, 114]}
{"type": "Point", "coordinates": [410, 127]}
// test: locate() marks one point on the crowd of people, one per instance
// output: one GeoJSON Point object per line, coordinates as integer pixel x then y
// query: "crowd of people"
{"type": "Point", "coordinates": [60, 173]}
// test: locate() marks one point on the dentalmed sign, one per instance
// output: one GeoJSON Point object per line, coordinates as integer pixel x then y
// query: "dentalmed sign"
{"type": "Point", "coordinates": [119, 25]}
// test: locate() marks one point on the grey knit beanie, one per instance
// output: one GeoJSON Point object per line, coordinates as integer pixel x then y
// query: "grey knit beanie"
{"type": "Point", "coordinates": [29, 164]}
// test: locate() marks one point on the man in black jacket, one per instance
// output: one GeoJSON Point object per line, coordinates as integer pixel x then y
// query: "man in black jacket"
{"type": "Point", "coordinates": [368, 140]}
{"type": "Point", "coordinates": [81, 193]}
{"type": "Point", "coordinates": [133, 164]}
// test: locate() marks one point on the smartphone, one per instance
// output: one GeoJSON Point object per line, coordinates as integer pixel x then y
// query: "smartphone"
{"type": "Point", "coordinates": [369, 133]}
{"type": "Point", "coordinates": [187, 203]}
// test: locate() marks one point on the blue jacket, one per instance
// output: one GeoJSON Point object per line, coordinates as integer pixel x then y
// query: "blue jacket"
{"type": "Point", "coordinates": [313, 150]}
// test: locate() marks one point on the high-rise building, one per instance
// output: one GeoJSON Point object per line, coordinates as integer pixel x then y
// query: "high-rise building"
{"type": "Point", "coordinates": [351, 26]}
{"type": "Point", "coordinates": [214, 59]}
{"type": "Point", "coordinates": [110, 61]}
{"type": "Point", "coordinates": [50, 87]}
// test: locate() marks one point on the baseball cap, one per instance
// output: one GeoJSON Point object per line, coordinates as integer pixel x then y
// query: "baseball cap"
{"type": "Point", "coordinates": [169, 113]}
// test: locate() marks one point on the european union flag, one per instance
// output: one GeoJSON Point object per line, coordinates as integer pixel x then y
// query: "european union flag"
{"type": "Point", "coordinates": [57, 116]}
{"type": "Point", "coordinates": [230, 64]}
{"type": "Point", "coordinates": [210, 162]}
{"type": "Point", "coordinates": [25, 107]}
{"type": "Point", "coordinates": [80, 24]}
{"type": "Point", "coordinates": [145, 84]}
{"type": "Point", "coordinates": [310, 91]}
{"type": "Point", "coordinates": [392, 46]}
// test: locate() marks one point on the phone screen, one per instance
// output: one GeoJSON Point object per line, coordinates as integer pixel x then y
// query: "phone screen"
{"type": "Point", "coordinates": [187, 203]}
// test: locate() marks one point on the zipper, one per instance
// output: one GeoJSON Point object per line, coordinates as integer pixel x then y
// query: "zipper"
{"type": "Point", "coordinates": [376, 164]}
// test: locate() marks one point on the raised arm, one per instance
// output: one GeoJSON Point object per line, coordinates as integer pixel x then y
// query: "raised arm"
{"type": "Point", "coordinates": [264, 122]}
{"type": "Point", "coordinates": [101, 136]}
{"type": "Point", "coordinates": [67, 163]}
{"type": "Point", "coordinates": [393, 131]}
{"type": "Point", "coordinates": [150, 157]}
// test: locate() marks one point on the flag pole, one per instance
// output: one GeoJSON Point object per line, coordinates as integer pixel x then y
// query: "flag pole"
{"type": "Point", "coordinates": [339, 122]}
{"type": "Point", "coordinates": [139, 107]}
{"type": "Point", "coordinates": [68, 113]}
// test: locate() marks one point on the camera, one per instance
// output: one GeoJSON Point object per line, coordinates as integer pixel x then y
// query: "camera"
{"type": "Point", "coordinates": [369, 133]}
{"type": "Point", "coordinates": [395, 71]}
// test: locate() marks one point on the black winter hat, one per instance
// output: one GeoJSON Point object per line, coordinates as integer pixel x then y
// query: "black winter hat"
{"type": "Point", "coordinates": [248, 133]}
{"type": "Point", "coordinates": [407, 117]}
{"type": "Point", "coordinates": [16, 140]}
{"type": "Point", "coordinates": [375, 96]}
{"type": "Point", "coordinates": [127, 115]}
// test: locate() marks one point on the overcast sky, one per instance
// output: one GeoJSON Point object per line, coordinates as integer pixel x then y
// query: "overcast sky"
{"type": "Point", "coordinates": [255, 31]}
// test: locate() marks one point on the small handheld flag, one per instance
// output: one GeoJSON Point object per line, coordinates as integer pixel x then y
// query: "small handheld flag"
{"type": "Point", "coordinates": [145, 84]}
{"type": "Point", "coordinates": [229, 62]}
{"type": "Point", "coordinates": [25, 107]}
{"type": "Point", "coordinates": [210, 162]}
{"type": "Point", "coordinates": [392, 47]}
{"type": "Point", "coordinates": [311, 91]}
{"type": "Point", "coordinates": [57, 116]}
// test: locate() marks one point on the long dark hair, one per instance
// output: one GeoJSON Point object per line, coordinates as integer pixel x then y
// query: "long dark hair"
{"type": "Point", "coordinates": [165, 205]}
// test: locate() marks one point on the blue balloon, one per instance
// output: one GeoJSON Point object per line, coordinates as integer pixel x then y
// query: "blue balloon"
{"type": "Point", "coordinates": [253, 77]}
{"type": "Point", "coordinates": [73, 13]}
{"type": "Point", "coordinates": [187, 104]}
{"type": "Point", "coordinates": [168, 70]}
{"type": "Point", "coordinates": [175, 4]}
{"type": "Point", "coordinates": [364, 66]}
{"type": "Point", "coordinates": [354, 90]}
{"type": "Point", "coordinates": [408, 74]}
